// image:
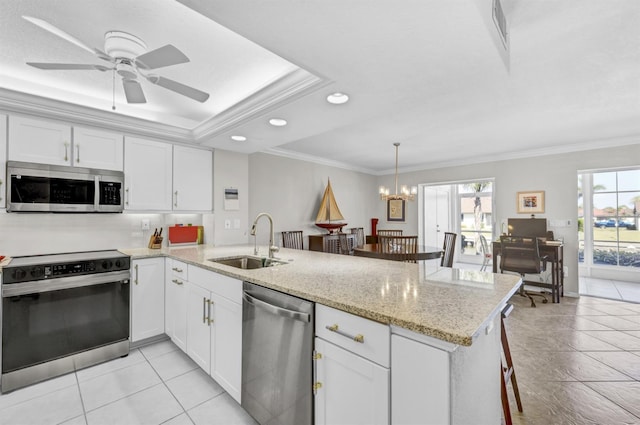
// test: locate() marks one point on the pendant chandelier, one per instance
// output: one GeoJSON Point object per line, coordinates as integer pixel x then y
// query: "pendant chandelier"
{"type": "Point", "coordinates": [405, 194]}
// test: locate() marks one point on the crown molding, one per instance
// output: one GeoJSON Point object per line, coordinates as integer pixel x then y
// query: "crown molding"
{"type": "Point", "coordinates": [24, 103]}
{"type": "Point", "coordinates": [286, 89]}
{"type": "Point", "coordinates": [315, 159]}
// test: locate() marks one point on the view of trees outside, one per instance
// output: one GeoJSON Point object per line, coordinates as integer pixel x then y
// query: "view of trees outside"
{"type": "Point", "coordinates": [475, 215]}
{"type": "Point", "coordinates": [614, 216]}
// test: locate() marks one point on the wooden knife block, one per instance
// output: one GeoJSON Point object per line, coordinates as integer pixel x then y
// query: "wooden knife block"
{"type": "Point", "coordinates": [155, 242]}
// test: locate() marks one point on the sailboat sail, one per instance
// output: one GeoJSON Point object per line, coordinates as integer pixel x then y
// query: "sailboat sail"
{"type": "Point", "coordinates": [328, 207]}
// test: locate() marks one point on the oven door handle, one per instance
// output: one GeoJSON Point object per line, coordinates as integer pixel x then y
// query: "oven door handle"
{"type": "Point", "coordinates": [38, 286]}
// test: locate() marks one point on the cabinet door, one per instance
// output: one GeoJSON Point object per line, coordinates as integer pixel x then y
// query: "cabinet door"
{"type": "Point", "coordinates": [43, 142]}
{"type": "Point", "coordinates": [198, 326]}
{"type": "Point", "coordinates": [353, 390]}
{"type": "Point", "coordinates": [3, 158]}
{"type": "Point", "coordinates": [226, 345]}
{"type": "Point", "coordinates": [176, 307]}
{"type": "Point", "coordinates": [192, 179]}
{"type": "Point", "coordinates": [420, 383]}
{"type": "Point", "coordinates": [147, 298]}
{"type": "Point", "coordinates": [94, 148]}
{"type": "Point", "coordinates": [147, 171]}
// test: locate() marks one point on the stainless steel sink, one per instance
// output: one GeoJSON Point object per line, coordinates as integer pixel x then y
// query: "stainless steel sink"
{"type": "Point", "coordinates": [247, 262]}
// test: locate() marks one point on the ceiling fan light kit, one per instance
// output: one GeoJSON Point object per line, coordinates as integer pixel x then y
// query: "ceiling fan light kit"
{"type": "Point", "coordinates": [129, 58]}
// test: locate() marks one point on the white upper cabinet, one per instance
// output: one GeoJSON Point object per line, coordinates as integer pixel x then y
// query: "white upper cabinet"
{"type": "Point", "coordinates": [192, 179]}
{"type": "Point", "coordinates": [43, 142]}
{"type": "Point", "coordinates": [147, 172]}
{"type": "Point", "coordinates": [93, 148]}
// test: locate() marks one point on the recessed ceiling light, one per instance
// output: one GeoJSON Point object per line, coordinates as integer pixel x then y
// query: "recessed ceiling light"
{"type": "Point", "coordinates": [278, 122]}
{"type": "Point", "coordinates": [338, 98]}
{"type": "Point", "coordinates": [238, 138]}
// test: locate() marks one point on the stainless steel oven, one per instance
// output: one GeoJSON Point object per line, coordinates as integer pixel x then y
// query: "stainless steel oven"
{"type": "Point", "coordinates": [54, 188]}
{"type": "Point", "coordinates": [62, 312]}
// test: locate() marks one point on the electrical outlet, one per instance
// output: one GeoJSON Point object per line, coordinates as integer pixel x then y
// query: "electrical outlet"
{"type": "Point", "coordinates": [227, 224]}
{"type": "Point", "coordinates": [145, 224]}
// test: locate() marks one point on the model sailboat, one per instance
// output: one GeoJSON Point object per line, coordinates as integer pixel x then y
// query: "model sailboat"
{"type": "Point", "coordinates": [329, 211]}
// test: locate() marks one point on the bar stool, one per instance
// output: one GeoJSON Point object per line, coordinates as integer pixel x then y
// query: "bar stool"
{"type": "Point", "coordinates": [507, 372]}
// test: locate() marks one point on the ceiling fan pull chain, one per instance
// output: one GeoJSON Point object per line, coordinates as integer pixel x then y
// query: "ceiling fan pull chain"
{"type": "Point", "coordinates": [113, 105]}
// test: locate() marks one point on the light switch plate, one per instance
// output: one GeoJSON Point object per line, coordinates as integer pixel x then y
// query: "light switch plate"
{"type": "Point", "coordinates": [236, 223]}
{"type": "Point", "coordinates": [145, 224]}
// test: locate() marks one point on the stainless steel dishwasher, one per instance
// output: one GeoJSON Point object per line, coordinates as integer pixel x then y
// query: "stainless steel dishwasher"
{"type": "Point", "coordinates": [277, 349]}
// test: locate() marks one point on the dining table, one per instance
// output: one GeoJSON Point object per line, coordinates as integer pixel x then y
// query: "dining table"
{"type": "Point", "coordinates": [372, 250]}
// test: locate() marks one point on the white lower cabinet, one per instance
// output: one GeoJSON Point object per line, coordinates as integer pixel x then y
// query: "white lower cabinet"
{"type": "Point", "coordinates": [353, 389]}
{"type": "Point", "coordinates": [352, 379]}
{"type": "Point", "coordinates": [198, 326]}
{"type": "Point", "coordinates": [214, 327]}
{"type": "Point", "coordinates": [147, 298]}
{"type": "Point", "coordinates": [176, 302]}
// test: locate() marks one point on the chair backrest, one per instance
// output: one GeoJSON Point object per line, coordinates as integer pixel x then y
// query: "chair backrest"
{"type": "Point", "coordinates": [448, 248]}
{"type": "Point", "coordinates": [399, 248]}
{"type": "Point", "coordinates": [389, 232]}
{"type": "Point", "coordinates": [344, 244]}
{"type": "Point", "coordinates": [359, 232]}
{"type": "Point", "coordinates": [292, 239]}
{"type": "Point", "coordinates": [520, 254]}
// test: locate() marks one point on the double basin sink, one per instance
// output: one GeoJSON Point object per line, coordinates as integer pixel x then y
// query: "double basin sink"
{"type": "Point", "coordinates": [247, 262]}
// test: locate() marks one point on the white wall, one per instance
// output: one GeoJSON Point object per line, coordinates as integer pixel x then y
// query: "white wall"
{"type": "Point", "coordinates": [291, 191]}
{"type": "Point", "coordinates": [555, 174]}
{"type": "Point", "coordinates": [230, 170]}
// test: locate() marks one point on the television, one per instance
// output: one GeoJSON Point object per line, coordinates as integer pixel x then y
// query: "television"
{"type": "Point", "coordinates": [529, 227]}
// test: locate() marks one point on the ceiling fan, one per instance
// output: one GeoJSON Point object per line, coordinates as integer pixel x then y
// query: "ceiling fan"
{"type": "Point", "coordinates": [128, 57]}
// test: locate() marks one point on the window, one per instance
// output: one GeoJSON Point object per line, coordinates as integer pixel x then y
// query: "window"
{"type": "Point", "coordinates": [475, 201]}
{"type": "Point", "coordinates": [608, 204]}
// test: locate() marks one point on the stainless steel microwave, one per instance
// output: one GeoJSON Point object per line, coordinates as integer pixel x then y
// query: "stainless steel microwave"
{"type": "Point", "coordinates": [55, 188]}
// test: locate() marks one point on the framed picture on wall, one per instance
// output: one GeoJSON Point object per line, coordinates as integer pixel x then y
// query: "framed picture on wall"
{"type": "Point", "coordinates": [395, 210]}
{"type": "Point", "coordinates": [531, 202]}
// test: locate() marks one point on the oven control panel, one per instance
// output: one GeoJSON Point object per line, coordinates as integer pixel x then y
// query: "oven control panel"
{"type": "Point", "coordinates": [33, 272]}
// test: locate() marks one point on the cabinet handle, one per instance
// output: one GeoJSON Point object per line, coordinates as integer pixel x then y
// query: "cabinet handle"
{"type": "Point", "coordinates": [209, 319]}
{"type": "Point", "coordinates": [66, 153]}
{"type": "Point", "coordinates": [357, 338]}
{"type": "Point", "coordinates": [77, 153]}
{"type": "Point", "coordinates": [176, 203]}
{"type": "Point", "coordinates": [126, 197]}
{"type": "Point", "coordinates": [175, 269]}
{"type": "Point", "coordinates": [204, 310]}
{"type": "Point", "coordinates": [136, 279]}
{"type": "Point", "coordinates": [177, 282]}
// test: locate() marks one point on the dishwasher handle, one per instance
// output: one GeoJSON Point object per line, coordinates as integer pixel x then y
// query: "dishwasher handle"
{"type": "Point", "coordinates": [278, 311]}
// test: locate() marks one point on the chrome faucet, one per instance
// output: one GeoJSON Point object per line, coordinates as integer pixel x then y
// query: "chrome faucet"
{"type": "Point", "coordinates": [272, 248]}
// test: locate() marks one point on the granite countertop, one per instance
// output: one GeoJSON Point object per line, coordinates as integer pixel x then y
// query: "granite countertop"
{"type": "Point", "coordinates": [453, 305]}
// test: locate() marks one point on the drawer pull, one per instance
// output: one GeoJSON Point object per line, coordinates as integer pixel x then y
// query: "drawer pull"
{"type": "Point", "coordinates": [175, 269]}
{"type": "Point", "coordinates": [357, 338]}
{"type": "Point", "coordinates": [177, 282]}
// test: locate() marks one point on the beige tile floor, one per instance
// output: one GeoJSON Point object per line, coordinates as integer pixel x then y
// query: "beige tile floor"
{"type": "Point", "coordinates": [577, 362]}
{"type": "Point", "coordinates": [156, 384]}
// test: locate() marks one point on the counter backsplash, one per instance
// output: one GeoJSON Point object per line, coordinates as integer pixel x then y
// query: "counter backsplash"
{"type": "Point", "coordinates": [43, 233]}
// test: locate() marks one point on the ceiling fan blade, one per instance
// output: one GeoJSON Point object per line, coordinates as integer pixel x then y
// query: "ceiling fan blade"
{"type": "Point", "coordinates": [163, 56]}
{"type": "Point", "coordinates": [133, 91]}
{"type": "Point", "coordinates": [74, 66]}
{"type": "Point", "coordinates": [179, 88]}
{"type": "Point", "coordinates": [68, 37]}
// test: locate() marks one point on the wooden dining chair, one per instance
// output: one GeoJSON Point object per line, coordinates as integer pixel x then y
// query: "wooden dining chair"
{"type": "Point", "coordinates": [382, 232]}
{"type": "Point", "coordinates": [399, 248]}
{"type": "Point", "coordinates": [359, 232]}
{"type": "Point", "coordinates": [293, 239]}
{"type": "Point", "coordinates": [448, 248]}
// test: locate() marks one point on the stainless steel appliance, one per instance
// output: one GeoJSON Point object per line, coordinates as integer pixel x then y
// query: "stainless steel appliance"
{"type": "Point", "coordinates": [277, 349]}
{"type": "Point", "coordinates": [54, 188]}
{"type": "Point", "coordinates": [62, 312]}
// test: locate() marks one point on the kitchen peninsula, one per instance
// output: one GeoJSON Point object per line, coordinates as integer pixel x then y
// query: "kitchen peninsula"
{"type": "Point", "coordinates": [440, 326]}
